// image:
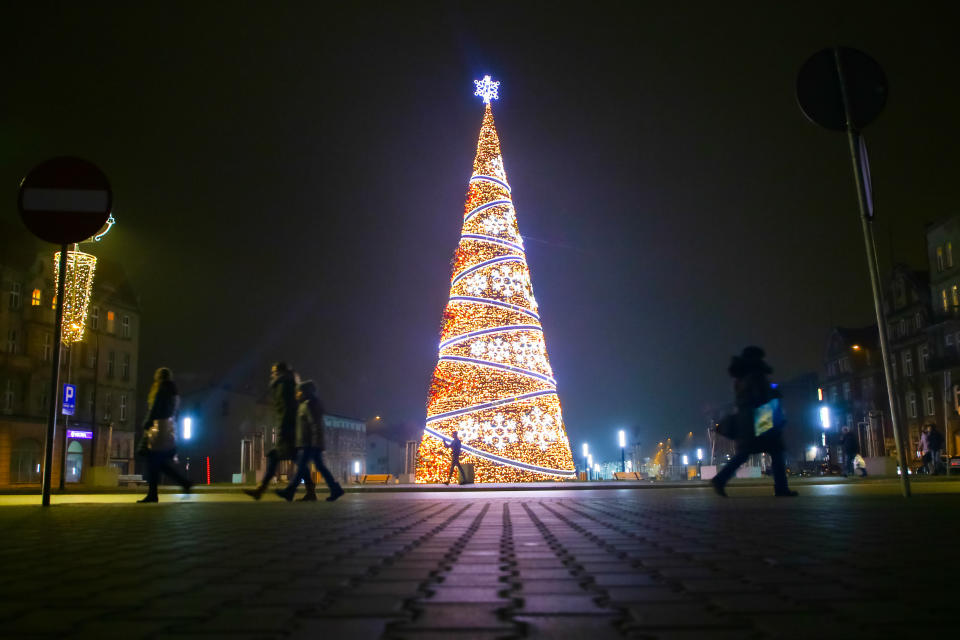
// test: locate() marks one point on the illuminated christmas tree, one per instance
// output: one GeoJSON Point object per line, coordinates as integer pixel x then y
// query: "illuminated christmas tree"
{"type": "Point", "coordinates": [493, 383]}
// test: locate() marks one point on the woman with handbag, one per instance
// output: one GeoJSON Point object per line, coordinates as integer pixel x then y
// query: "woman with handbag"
{"type": "Point", "coordinates": [158, 444]}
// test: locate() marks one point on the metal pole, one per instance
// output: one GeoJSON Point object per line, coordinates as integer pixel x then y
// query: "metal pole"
{"type": "Point", "coordinates": [66, 422]}
{"type": "Point", "coordinates": [623, 460]}
{"type": "Point", "coordinates": [54, 382]}
{"type": "Point", "coordinates": [866, 223]}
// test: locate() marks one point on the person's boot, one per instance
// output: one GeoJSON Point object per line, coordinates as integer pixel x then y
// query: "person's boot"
{"type": "Point", "coordinates": [286, 494]}
{"type": "Point", "coordinates": [786, 493]}
{"type": "Point", "coordinates": [148, 498]}
{"type": "Point", "coordinates": [254, 493]}
{"type": "Point", "coordinates": [335, 492]}
{"type": "Point", "coordinates": [718, 487]}
{"type": "Point", "coordinates": [310, 496]}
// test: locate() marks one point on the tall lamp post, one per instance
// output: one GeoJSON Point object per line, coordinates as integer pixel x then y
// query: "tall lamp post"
{"type": "Point", "coordinates": [589, 465]}
{"type": "Point", "coordinates": [623, 455]}
{"type": "Point", "coordinates": [586, 464]}
{"type": "Point", "coordinates": [699, 462]}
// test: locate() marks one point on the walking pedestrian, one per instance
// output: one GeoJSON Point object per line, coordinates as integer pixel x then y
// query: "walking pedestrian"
{"type": "Point", "coordinates": [757, 424]}
{"type": "Point", "coordinates": [158, 444]}
{"type": "Point", "coordinates": [851, 448]}
{"type": "Point", "coordinates": [931, 444]}
{"type": "Point", "coordinates": [454, 446]}
{"type": "Point", "coordinates": [309, 442]}
{"type": "Point", "coordinates": [283, 387]}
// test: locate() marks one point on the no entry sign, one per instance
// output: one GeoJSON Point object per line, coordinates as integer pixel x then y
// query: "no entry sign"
{"type": "Point", "coordinates": [65, 200]}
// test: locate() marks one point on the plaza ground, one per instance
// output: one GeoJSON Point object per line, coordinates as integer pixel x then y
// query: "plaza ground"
{"type": "Point", "coordinates": [845, 559]}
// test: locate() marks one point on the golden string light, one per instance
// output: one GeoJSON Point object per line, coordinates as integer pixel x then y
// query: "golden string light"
{"type": "Point", "coordinates": [77, 289]}
{"type": "Point", "coordinates": [493, 383]}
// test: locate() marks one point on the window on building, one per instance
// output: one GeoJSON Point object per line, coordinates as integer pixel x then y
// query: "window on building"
{"type": "Point", "coordinates": [16, 294]}
{"type": "Point", "coordinates": [35, 298]}
{"type": "Point", "coordinates": [53, 303]}
{"type": "Point", "coordinates": [912, 404]}
{"type": "Point", "coordinates": [940, 258]}
{"type": "Point", "coordinates": [924, 358]}
{"type": "Point", "coordinates": [931, 409]}
{"type": "Point", "coordinates": [95, 318]}
{"type": "Point", "coordinates": [123, 407]}
{"type": "Point", "coordinates": [893, 365]}
{"type": "Point", "coordinates": [111, 364]}
{"type": "Point", "coordinates": [25, 460]}
{"type": "Point", "coordinates": [47, 347]}
{"type": "Point", "coordinates": [943, 298]}
{"type": "Point", "coordinates": [9, 396]}
{"type": "Point", "coordinates": [108, 405]}
{"type": "Point", "coordinates": [831, 369]}
{"type": "Point", "coordinates": [955, 296]}
{"type": "Point", "coordinates": [111, 322]}
{"type": "Point", "coordinates": [13, 341]}
{"type": "Point", "coordinates": [907, 363]}
{"type": "Point", "coordinates": [125, 366]}
{"type": "Point", "coordinates": [125, 326]}
{"type": "Point", "coordinates": [91, 353]}
{"type": "Point", "coordinates": [918, 320]}
{"type": "Point", "coordinates": [846, 392]}
{"type": "Point", "coordinates": [903, 326]}
{"type": "Point", "coordinates": [949, 255]}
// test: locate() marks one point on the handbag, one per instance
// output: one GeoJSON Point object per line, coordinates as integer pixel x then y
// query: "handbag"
{"type": "Point", "coordinates": [160, 436]}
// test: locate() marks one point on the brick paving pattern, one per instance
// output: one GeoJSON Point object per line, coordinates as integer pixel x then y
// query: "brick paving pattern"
{"type": "Point", "coordinates": [665, 564]}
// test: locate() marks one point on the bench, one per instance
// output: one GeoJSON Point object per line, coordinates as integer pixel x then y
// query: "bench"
{"type": "Point", "coordinates": [628, 475]}
{"type": "Point", "coordinates": [376, 478]}
{"type": "Point", "coordinates": [132, 479]}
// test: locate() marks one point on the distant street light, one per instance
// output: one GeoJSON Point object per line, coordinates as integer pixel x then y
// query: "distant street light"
{"type": "Point", "coordinates": [623, 458]}
{"type": "Point", "coordinates": [825, 416]}
{"type": "Point", "coordinates": [187, 428]}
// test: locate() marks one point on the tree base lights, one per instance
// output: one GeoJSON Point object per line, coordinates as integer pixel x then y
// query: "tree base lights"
{"type": "Point", "coordinates": [493, 384]}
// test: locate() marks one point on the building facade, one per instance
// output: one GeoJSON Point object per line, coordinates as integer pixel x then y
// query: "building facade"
{"type": "Point", "coordinates": [103, 368]}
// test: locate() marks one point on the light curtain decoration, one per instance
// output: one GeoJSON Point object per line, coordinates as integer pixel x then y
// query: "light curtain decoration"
{"type": "Point", "coordinates": [78, 286]}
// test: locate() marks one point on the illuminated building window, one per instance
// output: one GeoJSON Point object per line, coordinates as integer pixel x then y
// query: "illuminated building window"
{"type": "Point", "coordinates": [940, 258]}
{"type": "Point", "coordinates": [912, 404]}
{"type": "Point", "coordinates": [47, 347]}
{"type": "Point", "coordinates": [35, 298]}
{"type": "Point", "coordinates": [123, 407]}
{"type": "Point", "coordinates": [13, 341]}
{"type": "Point", "coordinates": [956, 299]}
{"type": "Point", "coordinates": [943, 297]}
{"type": "Point", "coordinates": [15, 295]}
{"type": "Point", "coordinates": [95, 318]}
{"type": "Point", "coordinates": [125, 326]}
{"type": "Point", "coordinates": [111, 322]}
{"type": "Point", "coordinates": [931, 409]}
{"type": "Point", "coordinates": [111, 364]}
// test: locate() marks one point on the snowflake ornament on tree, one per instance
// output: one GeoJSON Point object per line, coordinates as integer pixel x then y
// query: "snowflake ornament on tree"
{"type": "Point", "coordinates": [539, 428]}
{"type": "Point", "coordinates": [477, 284]}
{"type": "Point", "coordinates": [499, 432]}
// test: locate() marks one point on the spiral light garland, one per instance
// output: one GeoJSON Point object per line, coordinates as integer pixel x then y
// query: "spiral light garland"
{"type": "Point", "coordinates": [493, 383]}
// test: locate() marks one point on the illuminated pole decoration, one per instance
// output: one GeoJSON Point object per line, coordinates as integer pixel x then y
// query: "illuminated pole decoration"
{"type": "Point", "coordinates": [76, 296]}
{"type": "Point", "coordinates": [493, 383]}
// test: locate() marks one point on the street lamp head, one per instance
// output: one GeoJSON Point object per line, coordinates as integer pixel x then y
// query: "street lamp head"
{"type": "Point", "coordinates": [699, 454]}
{"type": "Point", "coordinates": [623, 439]}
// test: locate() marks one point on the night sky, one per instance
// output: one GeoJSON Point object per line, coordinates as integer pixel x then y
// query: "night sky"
{"type": "Point", "coordinates": [289, 182]}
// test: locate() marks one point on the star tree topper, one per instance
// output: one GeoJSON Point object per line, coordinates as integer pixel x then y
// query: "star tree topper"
{"type": "Point", "coordinates": [487, 89]}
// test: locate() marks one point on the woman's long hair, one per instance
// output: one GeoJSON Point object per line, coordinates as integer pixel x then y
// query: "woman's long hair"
{"type": "Point", "coordinates": [160, 376]}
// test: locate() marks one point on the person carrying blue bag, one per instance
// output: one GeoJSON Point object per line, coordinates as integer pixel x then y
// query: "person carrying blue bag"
{"type": "Point", "coordinates": [757, 425]}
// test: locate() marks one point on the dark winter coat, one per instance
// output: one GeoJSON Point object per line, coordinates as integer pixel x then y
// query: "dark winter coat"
{"type": "Point", "coordinates": [454, 447]}
{"type": "Point", "coordinates": [164, 404]}
{"type": "Point", "coordinates": [751, 392]}
{"type": "Point", "coordinates": [283, 389]}
{"type": "Point", "coordinates": [850, 444]}
{"type": "Point", "coordinates": [310, 424]}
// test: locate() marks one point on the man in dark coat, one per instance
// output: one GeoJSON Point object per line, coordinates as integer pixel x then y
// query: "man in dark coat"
{"type": "Point", "coordinates": [283, 387]}
{"type": "Point", "coordinates": [851, 447]}
{"type": "Point", "coordinates": [309, 442]}
{"type": "Point", "coordinates": [757, 425]}
{"type": "Point", "coordinates": [454, 447]}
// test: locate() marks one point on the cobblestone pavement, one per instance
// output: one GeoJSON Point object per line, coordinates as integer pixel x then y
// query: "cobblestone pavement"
{"type": "Point", "coordinates": [674, 564]}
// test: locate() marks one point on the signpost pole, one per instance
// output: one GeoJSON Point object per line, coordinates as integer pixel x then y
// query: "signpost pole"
{"type": "Point", "coordinates": [54, 381]}
{"type": "Point", "coordinates": [861, 173]}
